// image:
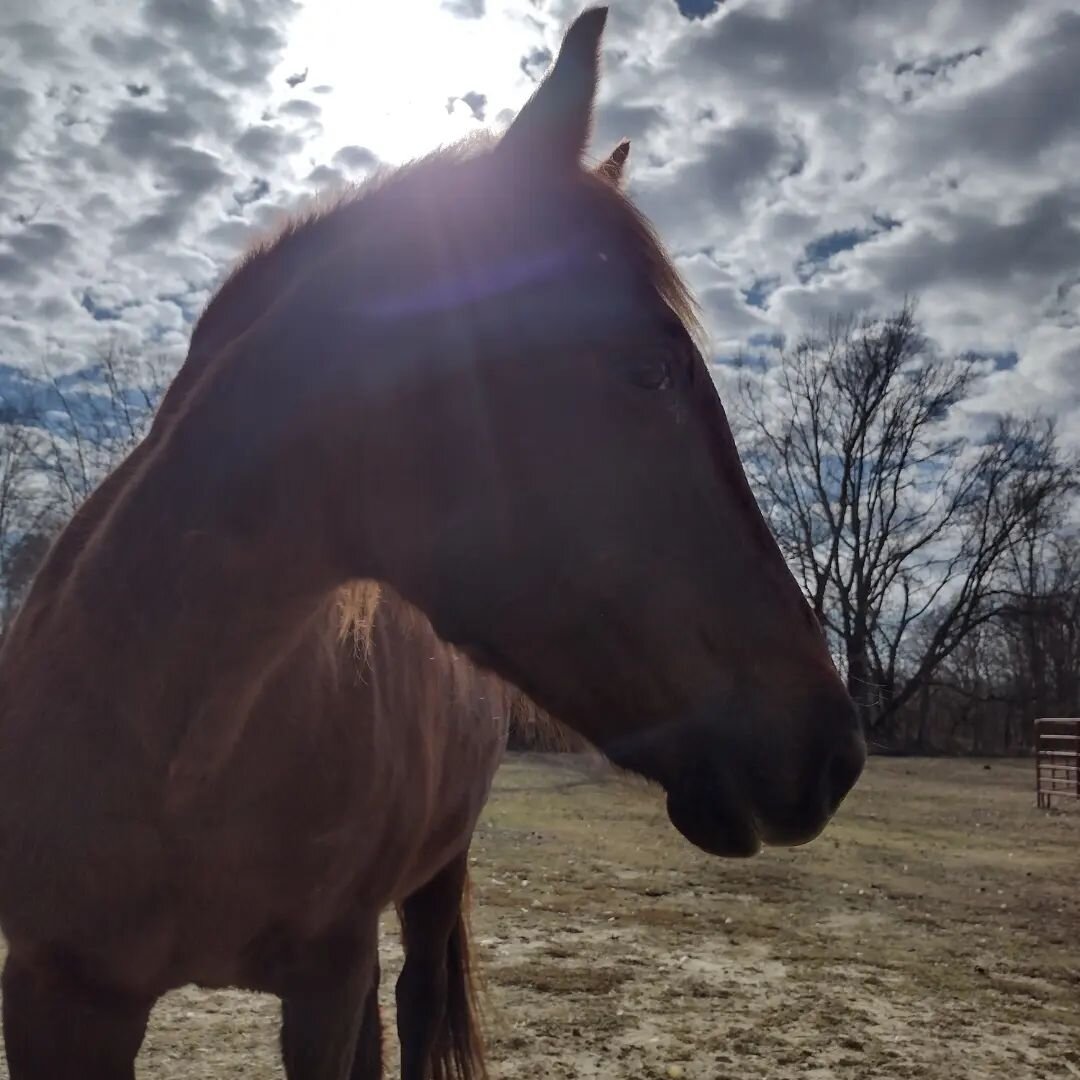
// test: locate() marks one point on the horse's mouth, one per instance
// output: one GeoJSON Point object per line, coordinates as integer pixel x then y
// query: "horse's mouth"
{"type": "Point", "coordinates": [721, 824]}
{"type": "Point", "coordinates": [729, 834]}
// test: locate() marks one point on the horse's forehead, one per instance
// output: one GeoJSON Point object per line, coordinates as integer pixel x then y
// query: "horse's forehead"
{"type": "Point", "coordinates": [482, 280]}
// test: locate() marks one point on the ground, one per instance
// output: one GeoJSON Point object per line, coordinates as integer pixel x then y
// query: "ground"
{"type": "Point", "coordinates": [933, 931]}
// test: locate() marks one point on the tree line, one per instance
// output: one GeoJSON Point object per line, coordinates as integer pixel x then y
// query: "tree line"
{"type": "Point", "coordinates": [940, 550]}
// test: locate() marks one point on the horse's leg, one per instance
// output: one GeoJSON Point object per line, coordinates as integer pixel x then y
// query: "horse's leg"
{"type": "Point", "coordinates": [434, 991]}
{"type": "Point", "coordinates": [323, 1009]}
{"type": "Point", "coordinates": [368, 1060]}
{"type": "Point", "coordinates": [60, 1027]}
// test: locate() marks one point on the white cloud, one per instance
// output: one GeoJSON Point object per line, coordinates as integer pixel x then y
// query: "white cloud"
{"type": "Point", "coordinates": [800, 159]}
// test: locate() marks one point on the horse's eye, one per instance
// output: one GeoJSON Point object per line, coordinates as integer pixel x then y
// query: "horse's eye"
{"type": "Point", "coordinates": [651, 372]}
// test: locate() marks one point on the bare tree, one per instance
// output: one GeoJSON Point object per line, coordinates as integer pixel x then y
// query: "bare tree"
{"type": "Point", "coordinates": [57, 444]}
{"type": "Point", "coordinates": [1023, 663]}
{"type": "Point", "coordinates": [1040, 625]}
{"type": "Point", "coordinates": [17, 510]}
{"type": "Point", "coordinates": [91, 419]}
{"type": "Point", "coordinates": [898, 526]}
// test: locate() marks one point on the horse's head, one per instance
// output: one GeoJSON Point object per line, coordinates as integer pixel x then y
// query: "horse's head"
{"type": "Point", "coordinates": [573, 510]}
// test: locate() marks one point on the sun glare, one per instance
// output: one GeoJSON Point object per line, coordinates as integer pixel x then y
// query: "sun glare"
{"type": "Point", "coordinates": [394, 68]}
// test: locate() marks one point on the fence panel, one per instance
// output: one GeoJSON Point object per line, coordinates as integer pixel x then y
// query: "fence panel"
{"type": "Point", "coordinates": [1057, 759]}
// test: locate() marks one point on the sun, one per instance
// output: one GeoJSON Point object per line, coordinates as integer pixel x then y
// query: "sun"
{"type": "Point", "coordinates": [394, 67]}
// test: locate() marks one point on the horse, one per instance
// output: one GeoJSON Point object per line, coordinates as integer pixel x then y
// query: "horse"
{"type": "Point", "coordinates": [478, 381]}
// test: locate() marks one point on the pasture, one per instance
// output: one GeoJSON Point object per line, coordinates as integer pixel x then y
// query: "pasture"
{"type": "Point", "coordinates": [933, 931]}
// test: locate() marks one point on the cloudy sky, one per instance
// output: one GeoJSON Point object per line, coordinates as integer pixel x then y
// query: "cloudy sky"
{"type": "Point", "coordinates": [799, 158]}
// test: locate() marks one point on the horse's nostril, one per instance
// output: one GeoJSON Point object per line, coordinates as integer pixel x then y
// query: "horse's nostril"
{"type": "Point", "coordinates": [843, 768]}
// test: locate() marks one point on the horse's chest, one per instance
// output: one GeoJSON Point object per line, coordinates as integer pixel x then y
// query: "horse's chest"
{"type": "Point", "coordinates": [332, 833]}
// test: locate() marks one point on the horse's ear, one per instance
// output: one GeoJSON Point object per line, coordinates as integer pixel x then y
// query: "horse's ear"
{"type": "Point", "coordinates": [553, 125]}
{"type": "Point", "coordinates": [612, 168]}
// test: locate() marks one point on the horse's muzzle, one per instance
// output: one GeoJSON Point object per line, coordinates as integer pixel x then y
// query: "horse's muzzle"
{"type": "Point", "coordinates": [735, 806]}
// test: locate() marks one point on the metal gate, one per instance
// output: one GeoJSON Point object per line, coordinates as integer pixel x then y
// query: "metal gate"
{"type": "Point", "coordinates": [1057, 759]}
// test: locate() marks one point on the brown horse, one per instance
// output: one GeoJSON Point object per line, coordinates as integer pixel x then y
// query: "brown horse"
{"type": "Point", "coordinates": [477, 382]}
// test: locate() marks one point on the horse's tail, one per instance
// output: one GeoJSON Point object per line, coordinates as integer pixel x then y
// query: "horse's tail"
{"type": "Point", "coordinates": [459, 1046]}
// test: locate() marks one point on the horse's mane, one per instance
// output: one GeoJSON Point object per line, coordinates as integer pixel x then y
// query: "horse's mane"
{"type": "Point", "coordinates": [357, 602]}
{"type": "Point", "coordinates": [356, 605]}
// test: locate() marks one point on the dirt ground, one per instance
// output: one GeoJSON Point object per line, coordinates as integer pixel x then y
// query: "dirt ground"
{"type": "Point", "coordinates": [932, 932]}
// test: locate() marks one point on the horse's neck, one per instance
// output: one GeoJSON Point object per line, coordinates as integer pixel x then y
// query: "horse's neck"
{"type": "Point", "coordinates": [206, 559]}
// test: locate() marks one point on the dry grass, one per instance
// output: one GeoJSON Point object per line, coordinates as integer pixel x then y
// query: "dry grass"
{"type": "Point", "coordinates": [931, 932]}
